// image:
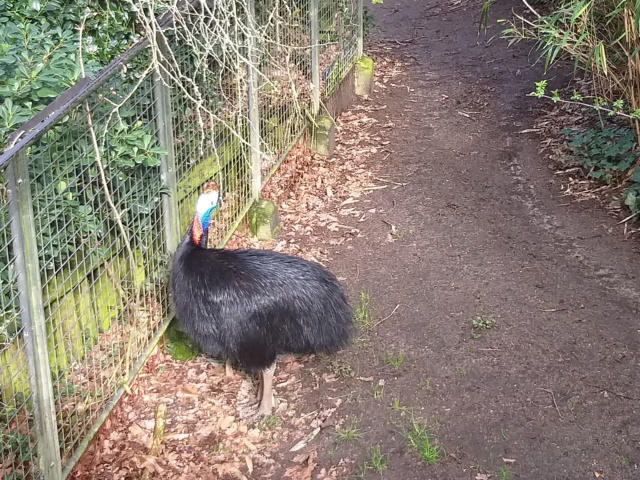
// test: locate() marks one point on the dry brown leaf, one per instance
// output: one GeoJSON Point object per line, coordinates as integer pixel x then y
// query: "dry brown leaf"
{"type": "Point", "coordinates": [228, 469]}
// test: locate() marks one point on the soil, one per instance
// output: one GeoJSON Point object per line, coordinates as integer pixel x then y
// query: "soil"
{"type": "Point", "coordinates": [465, 222]}
{"type": "Point", "coordinates": [474, 223]}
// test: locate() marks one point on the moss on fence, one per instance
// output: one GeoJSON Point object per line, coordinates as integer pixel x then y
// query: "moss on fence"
{"type": "Point", "coordinates": [80, 302]}
{"type": "Point", "coordinates": [14, 379]}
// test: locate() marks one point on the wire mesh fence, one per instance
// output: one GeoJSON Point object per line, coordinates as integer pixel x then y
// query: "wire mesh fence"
{"type": "Point", "coordinates": [339, 32]}
{"type": "Point", "coordinates": [96, 198]}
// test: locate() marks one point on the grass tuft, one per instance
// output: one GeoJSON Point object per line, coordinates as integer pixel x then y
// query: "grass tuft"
{"type": "Point", "coordinates": [395, 361]}
{"type": "Point", "coordinates": [349, 433]}
{"type": "Point", "coordinates": [419, 440]}
{"type": "Point", "coordinates": [504, 474]}
{"type": "Point", "coordinates": [363, 316]}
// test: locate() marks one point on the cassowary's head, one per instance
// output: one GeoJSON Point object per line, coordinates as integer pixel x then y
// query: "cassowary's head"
{"type": "Point", "coordinates": [207, 203]}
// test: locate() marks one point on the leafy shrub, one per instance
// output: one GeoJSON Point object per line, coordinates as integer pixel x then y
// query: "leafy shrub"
{"type": "Point", "coordinates": [604, 151]}
{"type": "Point", "coordinates": [608, 152]}
{"type": "Point", "coordinates": [39, 59]}
{"type": "Point", "coordinates": [632, 195]}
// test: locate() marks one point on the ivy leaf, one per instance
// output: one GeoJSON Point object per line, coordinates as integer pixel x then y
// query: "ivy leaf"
{"type": "Point", "coordinates": [631, 200]}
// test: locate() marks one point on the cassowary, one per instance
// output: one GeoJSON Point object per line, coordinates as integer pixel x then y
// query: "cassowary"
{"type": "Point", "coordinates": [252, 305]}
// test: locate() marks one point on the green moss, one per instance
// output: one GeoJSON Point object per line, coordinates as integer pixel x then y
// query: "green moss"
{"type": "Point", "coordinates": [14, 380]}
{"type": "Point", "coordinates": [178, 344]}
{"type": "Point", "coordinates": [364, 76]}
{"type": "Point", "coordinates": [204, 170]}
{"type": "Point", "coordinates": [107, 301]}
{"type": "Point", "coordinates": [86, 316]}
{"type": "Point", "coordinates": [323, 136]}
{"type": "Point", "coordinates": [264, 220]}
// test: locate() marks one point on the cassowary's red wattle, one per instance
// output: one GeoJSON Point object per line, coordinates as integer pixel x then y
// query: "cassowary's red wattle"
{"type": "Point", "coordinates": [196, 231]}
{"type": "Point", "coordinates": [252, 305]}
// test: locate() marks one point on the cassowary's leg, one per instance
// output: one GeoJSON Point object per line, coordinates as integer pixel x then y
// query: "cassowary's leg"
{"type": "Point", "coordinates": [228, 368]}
{"type": "Point", "coordinates": [267, 400]}
{"type": "Point", "coordinates": [260, 388]}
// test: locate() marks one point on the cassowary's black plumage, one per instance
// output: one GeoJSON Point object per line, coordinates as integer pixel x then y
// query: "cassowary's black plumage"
{"type": "Point", "coordinates": [252, 305]}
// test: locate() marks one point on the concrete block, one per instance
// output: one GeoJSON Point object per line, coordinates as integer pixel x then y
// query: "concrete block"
{"type": "Point", "coordinates": [364, 76]}
{"type": "Point", "coordinates": [264, 221]}
{"type": "Point", "coordinates": [323, 136]}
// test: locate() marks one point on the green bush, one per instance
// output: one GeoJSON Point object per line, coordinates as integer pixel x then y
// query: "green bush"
{"type": "Point", "coordinates": [39, 59]}
{"type": "Point", "coordinates": [603, 151]}
{"type": "Point", "coordinates": [607, 152]}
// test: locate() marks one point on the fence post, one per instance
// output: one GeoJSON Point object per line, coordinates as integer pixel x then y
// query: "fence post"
{"type": "Point", "coordinates": [164, 124]}
{"type": "Point", "coordinates": [361, 28]}
{"type": "Point", "coordinates": [315, 56]}
{"type": "Point", "coordinates": [254, 111]}
{"type": "Point", "coordinates": [32, 315]}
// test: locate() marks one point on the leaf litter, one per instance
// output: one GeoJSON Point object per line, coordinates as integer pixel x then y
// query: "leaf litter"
{"type": "Point", "coordinates": [208, 433]}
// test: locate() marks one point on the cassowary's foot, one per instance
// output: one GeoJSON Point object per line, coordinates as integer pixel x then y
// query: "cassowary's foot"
{"type": "Point", "coordinates": [266, 399]}
{"type": "Point", "coordinates": [228, 368]}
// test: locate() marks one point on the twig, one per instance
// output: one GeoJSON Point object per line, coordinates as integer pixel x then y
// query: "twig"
{"type": "Point", "coordinates": [389, 181]}
{"type": "Point", "coordinates": [627, 219]}
{"type": "Point", "coordinates": [158, 436]}
{"type": "Point", "coordinates": [387, 317]}
{"type": "Point", "coordinates": [553, 397]}
{"type": "Point", "coordinates": [605, 389]}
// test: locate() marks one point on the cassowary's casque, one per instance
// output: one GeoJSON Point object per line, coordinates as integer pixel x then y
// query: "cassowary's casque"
{"type": "Point", "coordinates": [252, 305]}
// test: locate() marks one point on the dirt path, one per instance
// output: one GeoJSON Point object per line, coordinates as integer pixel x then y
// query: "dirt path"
{"type": "Point", "coordinates": [481, 229]}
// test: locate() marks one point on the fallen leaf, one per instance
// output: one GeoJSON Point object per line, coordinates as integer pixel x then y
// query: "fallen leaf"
{"type": "Point", "coordinates": [304, 442]}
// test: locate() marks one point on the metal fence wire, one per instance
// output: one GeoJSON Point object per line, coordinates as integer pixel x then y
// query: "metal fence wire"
{"type": "Point", "coordinates": [97, 195]}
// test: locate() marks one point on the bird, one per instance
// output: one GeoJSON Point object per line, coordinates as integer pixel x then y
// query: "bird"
{"type": "Point", "coordinates": [251, 305]}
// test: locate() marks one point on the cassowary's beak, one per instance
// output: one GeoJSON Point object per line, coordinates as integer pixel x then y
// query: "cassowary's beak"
{"type": "Point", "coordinates": [220, 201]}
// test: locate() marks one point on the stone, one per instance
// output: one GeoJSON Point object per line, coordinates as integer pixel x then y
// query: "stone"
{"type": "Point", "coordinates": [323, 136]}
{"type": "Point", "coordinates": [264, 221]}
{"type": "Point", "coordinates": [364, 76]}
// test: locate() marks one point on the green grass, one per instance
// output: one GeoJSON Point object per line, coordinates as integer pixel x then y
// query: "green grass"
{"type": "Point", "coordinates": [363, 316]}
{"type": "Point", "coordinates": [395, 361]}
{"type": "Point", "coordinates": [269, 422]}
{"type": "Point", "coordinates": [419, 440]}
{"type": "Point", "coordinates": [349, 433]}
{"type": "Point", "coordinates": [504, 474]}
{"type": "Point", "coordinates": [483, 322]}
{"type": "Point", "coordinates": [378, 391]}
{"type": "Point", "coordinates": [624, 461]}
{"type": "Point", "coordinates": [396, 406]}
{"type": "Point", "coordinates": [378, 462]}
